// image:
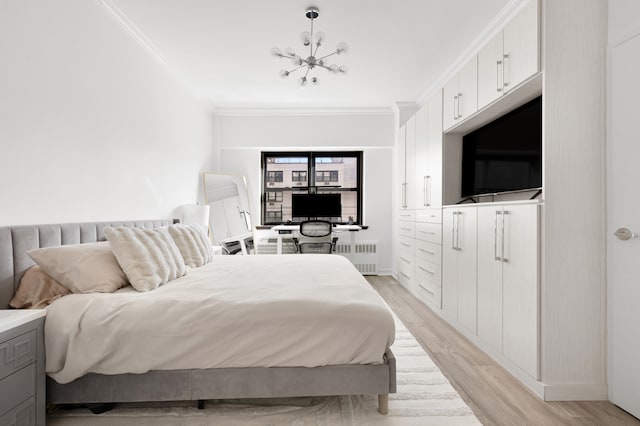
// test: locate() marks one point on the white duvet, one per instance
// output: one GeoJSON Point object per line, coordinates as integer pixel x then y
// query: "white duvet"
{"type": "Point", "coordinates": [237, 311]}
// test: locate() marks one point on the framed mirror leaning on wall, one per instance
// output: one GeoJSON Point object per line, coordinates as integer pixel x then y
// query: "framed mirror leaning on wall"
{"type": "Point", "coordinates": [229, 217]}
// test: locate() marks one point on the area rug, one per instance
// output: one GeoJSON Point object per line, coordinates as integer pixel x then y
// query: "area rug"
{"type": "Point", "coordinates": [424, 397]}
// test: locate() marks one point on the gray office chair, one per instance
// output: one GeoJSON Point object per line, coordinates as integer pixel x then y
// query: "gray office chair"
{"type": "Point", "coordinates": [315, 237]}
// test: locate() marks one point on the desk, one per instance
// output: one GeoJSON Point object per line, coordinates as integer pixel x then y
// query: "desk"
{"type": "Point", "coordinates": [281, 229]}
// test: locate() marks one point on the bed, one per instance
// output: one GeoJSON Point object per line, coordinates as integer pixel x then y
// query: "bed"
{"type": "Point", "coordinates": [222, 375]}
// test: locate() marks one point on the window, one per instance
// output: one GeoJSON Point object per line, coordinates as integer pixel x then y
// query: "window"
{"type": "Point", "coordinates": [299, 176]}
{"type": "Point", "coordinates": [274, 197]}
{"type": "Point", "coordinates": [311, 173]}
{"type": "Point", "coordinates": [274, 176]}
{"type": "Point", "coordinates": [326, 176]}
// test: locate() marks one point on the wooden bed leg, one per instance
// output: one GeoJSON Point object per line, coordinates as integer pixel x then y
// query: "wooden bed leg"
{"type": "Point", "coordinates": [201, 404]}
{"type": "Point", "coordinates": [383, 404]}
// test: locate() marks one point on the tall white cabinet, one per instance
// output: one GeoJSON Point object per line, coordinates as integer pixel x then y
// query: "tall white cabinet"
{"type": "Point", "coordinates": [508, 282]}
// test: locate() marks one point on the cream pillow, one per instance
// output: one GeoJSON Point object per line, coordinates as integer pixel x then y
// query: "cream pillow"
{"type": "Point", "coordinates": [82, 268]}
{"type": "Point", "coordinates": [37, 290]}
{"type": "Point", "coordinates": [193, 244]}
{"type": "Point", "coordinates": [149, 257]}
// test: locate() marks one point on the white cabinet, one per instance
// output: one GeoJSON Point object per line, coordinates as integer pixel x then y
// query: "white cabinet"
{"type": "Point", "coordinates": [406, 163]}
{"type": "Point", "coordinates": [459, 259]}
{"type": "Point", "coordinates": [461, 94]}
{"type": "Point", "coordinates": [508, 282]}
{"type": "Point", "coordinates": [510, 57]}
{"type": "Point", "coordinates": [428, 154]}
{"type": "Point", "coordinates": [427, 276]}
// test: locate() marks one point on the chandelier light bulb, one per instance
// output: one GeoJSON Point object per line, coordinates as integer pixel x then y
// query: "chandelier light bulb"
{"type": "Point", "coordinates": [311, 58]}
{"type": "Point", "coordinates": [306, 38]}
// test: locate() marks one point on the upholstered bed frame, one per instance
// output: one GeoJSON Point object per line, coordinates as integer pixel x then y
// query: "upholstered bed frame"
{"type": "Point", "coordinates": [177, 385]}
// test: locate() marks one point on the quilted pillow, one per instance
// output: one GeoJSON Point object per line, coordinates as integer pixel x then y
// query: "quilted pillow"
{"type": "Point", "coordinates": [82, 268]}
{"type": "Point", "coordinates": [149, 257]}
{"type": "Point", "coordinates": [193, 244]}
{"type": "Point", "coordinates": [37, 290]}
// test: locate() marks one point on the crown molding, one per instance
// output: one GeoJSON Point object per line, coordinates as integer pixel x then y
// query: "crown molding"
{"type": "Point", "coordinates": [289, 111]}
{"type": "Point", "coordinates": [496, 25]}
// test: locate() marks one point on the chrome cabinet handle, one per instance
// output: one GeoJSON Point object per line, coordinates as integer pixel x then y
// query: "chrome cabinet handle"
{"type": "Point", "coordinates": [424, 192]}
{"type": "Point", "coordinates": [426, 270]}
{"type": "Point", "coordinates": [405, 229]}
{"type": "Point", "coordinates": [458, 231]}
{"type": "Point", "coordinates": [406, 260]}
{"type": "Point", "coordinates": [504, 63]}
{"type": "Point", "coordinates": [455, 98]}
{"type": "Point", "coordinates": [405, 244]}
{"type": "Point", "coordinates": [495, 237]}
{"type": "Point", "coordinates": [504, 215]}
{"type": "Point", "coordinates": [405, 275]}
{"type": "Point", "coordinates": [459, 97]}
{"type": "Point", "coordinates": [427, 251]}
{"type": "Point", "coordinates": [498, 86]}
{"type": "Point", "coordinates": [426, 289]}
{"type": "Point", "coordinates": [453, 230]}
{"type": "Point", "coordinates": [428, 190]}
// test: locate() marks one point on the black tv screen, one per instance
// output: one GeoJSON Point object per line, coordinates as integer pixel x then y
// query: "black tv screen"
{"type": "Point", "coordinates": [506, 154]}
{"type": "Point", "coordinates": [316, 205]}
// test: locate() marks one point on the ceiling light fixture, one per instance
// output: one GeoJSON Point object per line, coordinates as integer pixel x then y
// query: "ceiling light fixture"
{"type": "Point", "coordinates": [314, 41]}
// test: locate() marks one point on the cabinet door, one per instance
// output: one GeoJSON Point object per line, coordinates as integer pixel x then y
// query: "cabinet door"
{"type": "Point", "coordinates": [490, 71]}
{"type": "Point", "coordinates": [410, 155]}
{"type": "Point", "coordinates": [490, 275]}
{"type": "Point", "coordinates": [421, 173]}
{"type": "Point", "coordinates": [520, 287]}
{"type": "Point", "coordinates": [449, 265]}
{"type": "Point", "coordinates": [521, 46]}
{"type": "Point", "coordinates": [468, 89]}
{"type": "Point", "coordinates": [434, 150]}
{"type": "Point", "coordinates": [466, 240]}
{"type": "Point", "coordinates": [402, 177]}
{"type": "Point", "coordinates": [450, 103]}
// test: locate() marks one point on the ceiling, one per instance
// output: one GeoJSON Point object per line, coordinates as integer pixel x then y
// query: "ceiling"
{"type": "Point", "coordinates": [221, 49]}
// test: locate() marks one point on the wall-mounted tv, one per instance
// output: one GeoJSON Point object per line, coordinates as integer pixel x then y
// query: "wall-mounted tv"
{"type": "Point", "coordinates": [316, 205]}
{"type": "Point", "coordinates": [506, 154]}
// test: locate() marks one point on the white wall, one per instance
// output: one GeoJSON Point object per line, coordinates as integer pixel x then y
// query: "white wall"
{"type": "Point", "coordinates": [241, 138]}
{"type": "Point", "coordinates": [92, 127]}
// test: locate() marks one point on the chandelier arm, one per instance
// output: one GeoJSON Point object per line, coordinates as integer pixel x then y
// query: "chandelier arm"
{"type": "Point", "coordinates": [297, 68]}
{"type": "Point", "coordinates": [330, 54]}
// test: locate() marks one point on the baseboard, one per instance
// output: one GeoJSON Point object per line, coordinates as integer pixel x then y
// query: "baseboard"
{"type": "Point", "coordinates": [386, 272]}
{"type": "Point", "coordinates": [576, 392]}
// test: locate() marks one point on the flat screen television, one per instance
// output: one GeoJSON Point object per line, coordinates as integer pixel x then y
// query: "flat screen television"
{"type": "Point", "coordinates": [316, 205]}
{"type": "Point", "coordinates": [504, 155]}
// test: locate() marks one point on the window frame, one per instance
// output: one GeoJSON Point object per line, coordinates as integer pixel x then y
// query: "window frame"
{"type": "Point", "coordinates": [312, 186]}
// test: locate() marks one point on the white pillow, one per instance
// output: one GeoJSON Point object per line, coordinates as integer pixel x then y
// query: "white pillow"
{"type": "Point", "coordinates": [82, 268]}
{"type": "Point", "coordinates": [193, 244]}
{"type": "Point", "coordinates": [149, 257]}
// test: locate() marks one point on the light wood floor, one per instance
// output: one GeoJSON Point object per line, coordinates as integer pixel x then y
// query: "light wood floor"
{"type": "Point", "coordinates": [492, 393]}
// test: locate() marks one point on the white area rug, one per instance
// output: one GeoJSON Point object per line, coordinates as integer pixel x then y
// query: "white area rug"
{"type": "Point", "coordinates": [424, 397]}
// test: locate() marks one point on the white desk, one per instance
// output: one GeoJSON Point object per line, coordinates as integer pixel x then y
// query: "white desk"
{"type": "Point", "coordinates": [293, 228]}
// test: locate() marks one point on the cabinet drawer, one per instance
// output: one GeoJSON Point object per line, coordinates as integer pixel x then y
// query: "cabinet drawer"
{"type": "Point", "coordinates": [406, 229]}
{"type": "Point", "coordinates": [429, 271]}
{"type": "Point", "coordinates": [429, 215]}
{"type": "Point", "coordinates": [406, 244]}
{"type": "Point", "coordinates": [408, 215]}
{"type": "Point", "coordinates": [22, 415]}
{"type": "Point", "coordinates": [429, 293]}
{"type": "Point", "coordinates": [428, 251]}
{"type": "Point", "coordinates": [17, 352]}
{"type": "Point", "coordinates": [405, 270]}
{"type": "Point", "coordinates": [431, 232]}
{"type": "Point", "coordinates": [17, 387]}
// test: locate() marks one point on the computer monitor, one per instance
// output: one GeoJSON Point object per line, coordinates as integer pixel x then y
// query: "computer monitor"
{"type": "Point", "coordinates": [316, 205]}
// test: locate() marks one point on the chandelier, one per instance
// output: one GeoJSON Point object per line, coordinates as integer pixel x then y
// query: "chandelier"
{"type": "Point", "coordinates": [313, 41]}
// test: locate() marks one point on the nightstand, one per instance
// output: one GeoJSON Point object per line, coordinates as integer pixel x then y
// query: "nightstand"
{"type": "Point", "coordinates": [22, 363]}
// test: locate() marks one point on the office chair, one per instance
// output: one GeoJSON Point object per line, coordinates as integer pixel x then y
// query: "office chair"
{"type": "Point", "coordinates": [315, 237]}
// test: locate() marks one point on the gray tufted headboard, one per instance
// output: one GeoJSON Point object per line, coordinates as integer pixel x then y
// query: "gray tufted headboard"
{"type": "Point", "coordinates": [15, 241]}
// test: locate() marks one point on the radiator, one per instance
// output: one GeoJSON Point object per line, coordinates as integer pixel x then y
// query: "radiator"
{"type": "Point", "coordinates": [363, 255]}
